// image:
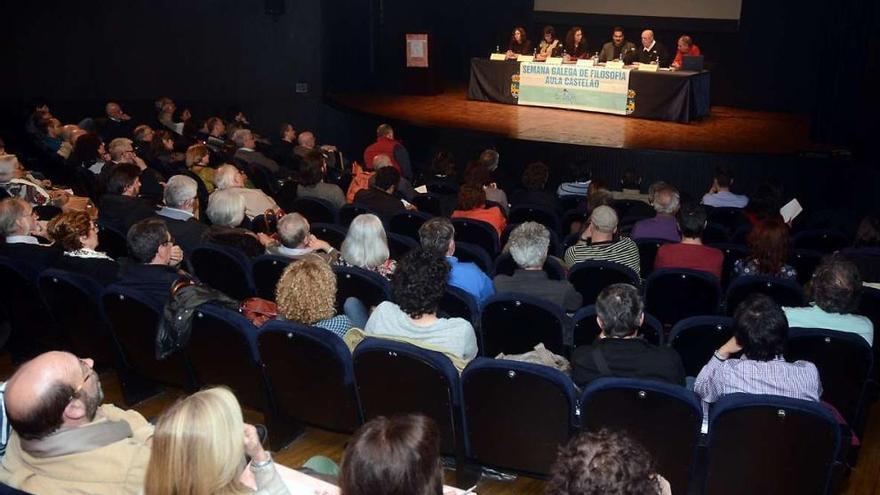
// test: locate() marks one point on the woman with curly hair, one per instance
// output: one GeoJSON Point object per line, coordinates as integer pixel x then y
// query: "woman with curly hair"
{"type": "Point", "coordinates": [472, 204]}
{"type": "Point", "coordinates": [769, 246]}
{"type": "Point", "coordinates": [417, 287]}
{"type": "Point", "coordinates": [575, 44]}
{"type": "Point", "coordinates": [605, 463]}
{"type": "Point", "coordinates": [77, 234]}
{"type": "Point", "coordinates": [306, 294]}
{"type": "Point", "coordinates": [519, 43]}
{"type": "Point", "coordinates": [366, 246]}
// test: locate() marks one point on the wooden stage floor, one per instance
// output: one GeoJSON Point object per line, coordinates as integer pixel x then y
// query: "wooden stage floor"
{"type": "Point", "coordinates": [726, 130]}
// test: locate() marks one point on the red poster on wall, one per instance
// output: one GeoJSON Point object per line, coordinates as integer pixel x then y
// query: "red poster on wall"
{"type": "Point", "coordinates": [416, 50]}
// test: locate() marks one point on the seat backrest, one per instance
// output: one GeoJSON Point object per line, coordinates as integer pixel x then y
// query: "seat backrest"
{"type": "Point", "coordinates": [515, 323]}
{"type": "Point", "coordinates": [770, 444]}
{"type": "Point", "coordinates": [408, 222]}
{"type": "Point", "coordinates": [804, 262]}
{"type": "Point", "coordinates": [316, 210]}
{"type": "Point", "coordinates": [430, 203]}
{"type": "Point", "coordinates": [399, 378]}
{"type": "Point", "coordinates": [32, 328]}
{"type": "Point", "coordinates": [590, 277]}
{"type": "Point", "coordinates": [505, 265]}
{"type": "Point", "coordinates": [112, 241]}
{"type": "Point", "coordinates": [399, 245]}
{"type": "Point", "coordinates": [663, 418]}
{"type": "Point", "coordinates": [517, 414]}
{"type": "Point", "coordinates": [845, 362]}
{"type": "Point", "coordinates": [332, 233]}
{"type": "Point", "coordinates": [457, 303]}
{"type": "Point", "coordinates": [223, 351]}
{"type": "Point", "coordinates": [310, 376]}
{"type": "Point", "coordinates": [784, 292]}
{"type": "Point", "coordinates": [223, 268]}
{"type": "Point", "coordinates": [697, 337]}
{"type": "Point", "coordinates": [348, 212]}
{"type": "Point", "coordinates": [732, 253]}
{"type": "Point", "coordinates": [648, 253]}
{"type": "Point", "coordinates": [267, 270]}
{"type": "Point", "coordinates": [370, 287]}
{"type": "Point", "coordinates": [585, 328]}
{"type": "Point", "coordinates": [730, 218]}
{"type": "Point", "coordinates": [476, 232]}
{"type": "Point", "coordinates": [821, 240]}
{"type": "Point", "coordinates": [75, 303]}
{"type": "Point", "coordinates": [474, 253]}
{"type": "Point", "coordinates": [715, 233]}
{"type": "Point", "coordinates": [534, 213]}
{"type": "Point", "coordinates": [675, 294]}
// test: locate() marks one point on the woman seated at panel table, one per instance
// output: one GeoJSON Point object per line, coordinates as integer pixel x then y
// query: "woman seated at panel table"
{"type": "Point", "coordinates": [550, 46]}
{"type": "Point", "coordinates": [519, 43]}
{"type": "Point", "coordinates": [686, 48]}
{"type": "Point", "coordinates": [575, 44]}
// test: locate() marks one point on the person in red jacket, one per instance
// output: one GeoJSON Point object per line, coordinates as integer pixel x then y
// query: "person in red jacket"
{"type": "Point", "coordinates": [686, 47]}
{"type": "Point", "coordinates": [690, 253]}
{"type": "Point", "coordinates": [386, 145]}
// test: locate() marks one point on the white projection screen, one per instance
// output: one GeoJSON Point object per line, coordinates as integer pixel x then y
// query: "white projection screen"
{"type": "Point", "coordinates": [692, 9]}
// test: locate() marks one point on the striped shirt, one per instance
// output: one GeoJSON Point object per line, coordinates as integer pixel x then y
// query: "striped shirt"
{"type": "Point", "coordinates": [623, 251]}
{"type": "Point", "coordinates": [798, 380]}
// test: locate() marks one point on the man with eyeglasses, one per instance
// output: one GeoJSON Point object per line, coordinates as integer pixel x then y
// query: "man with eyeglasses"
{"type": "Point", "coordinates": [21, 229]}
{"type": "Point", "coordinates": [156, 260]}
{"type": "Point", "coordinates": [64, 439]}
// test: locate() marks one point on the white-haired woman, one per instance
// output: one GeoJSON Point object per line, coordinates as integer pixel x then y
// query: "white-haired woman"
{"type": "Point", "coordinates": [366, 246]}
{"type": "Point", "coordinates": [226, 210]}
{"type": "Point", "coordinates": [199, 446]}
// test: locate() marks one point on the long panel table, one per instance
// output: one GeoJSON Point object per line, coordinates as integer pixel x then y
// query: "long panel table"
{"type": "Point", "coordinates": [680, 96]}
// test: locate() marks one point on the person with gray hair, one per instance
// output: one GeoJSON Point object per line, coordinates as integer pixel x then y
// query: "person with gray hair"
{"type": "Point", "coordinates": [599, 242]}
{"type": "Point", "coordinates": [226, 213]}
{"type": "Point", "coordinates": [620, 351]}
{"type": "Point", "coordinates": [527, 245]}
{"type": "Point", "coordinates": [247, 153]}
{"type": "Point", "coordinates": [20, 228]}
{"type": "Point", "coordinates": [181, 212]}
{"type": "Point", "coordinates": [297, 240]}
{"type": "Point", "coordinates": [13, 179]}
{"type": "Point", "coordinates": [256, 201]}
{"type": "Point", "coordinates": [404, 186]}
{"type": "Point", "coordinates": [664, 225]}
{"type": "Point", "coordinates": [366, 246]}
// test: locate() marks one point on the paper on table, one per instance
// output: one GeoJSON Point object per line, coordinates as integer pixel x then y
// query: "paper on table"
{"type": "Point", "coordinates": [422, 189]}
{"type": "Point", "coordinates": [498, 56]}
{"type": "Point", "coordinates": [791, 209]}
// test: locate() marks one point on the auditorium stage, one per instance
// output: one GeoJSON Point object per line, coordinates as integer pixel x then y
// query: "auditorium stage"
{"type": "Point", "coordinates": [726, 130]}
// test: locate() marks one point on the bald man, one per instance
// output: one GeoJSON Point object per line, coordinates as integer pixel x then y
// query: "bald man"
{"type": "Point", "coordinates": [116, 124]}
{"type": "Point", "coordinates": [652, 50]}
{"type": "Point", "coordinates": [64, 440]}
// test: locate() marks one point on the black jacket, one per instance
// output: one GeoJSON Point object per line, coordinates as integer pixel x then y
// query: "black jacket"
{"type": "Point", "coordinates": [658, 52]}
{"type": "Point", "coordinates": [35, 258]}
{"type": "Point", "coordinates": [104, 271]}
{"type": "Point", "coordinates": [627, 358]}
{"type": "Point", "coordinates": [384, 204]}
{"type": "Point", "coordinates": [121, 212]}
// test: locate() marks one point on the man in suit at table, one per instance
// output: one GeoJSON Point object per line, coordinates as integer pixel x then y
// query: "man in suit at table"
{"type": "Point", "coordinates": [652, 50]}
{"type": "Point", "coordinates": [618, 48]}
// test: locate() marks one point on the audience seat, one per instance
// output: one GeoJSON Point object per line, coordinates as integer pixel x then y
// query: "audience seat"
{"type": "Point", "coordinates": [569, 217]}
{"type": "Point", "coordinates": [476, 232]}
{"type": "Point", "coordinates": [223, 268]}
{"type": "Point", "coordinates": [408, 222]}
{"type": "Point", "coordinates": [505, 265]}
{"type": "Point", "coordinates": [267, 270]}
{"type": "Point", "coordinates": [772, 444]}
{"type": "Point", "coordinates": [571, 201]}
{"type": "Point", "coordinates": [348, 212]}
{"type": "Point", "coordinates": [715, 234]}
{"type": "Point", "coordinates": [474, 253]}
{"type": "Point", "coordinates": [648, 253]}
{"type": "Point", "coordinates": [517, 414]}
{"type": "Point", "coordinates": [697, 337]}
{"type": "Point", "coordinates": [805, 262]}
{"type": "Point", "coordinates": [515, 323]}
{"type": "Point", "coordinates": [431, 203]}
{"type": "Point", "coordinates": [664, 418]}
{"type": "Point", "coordinates": [784, 292]}
{"type": "Point", "coordinates": [586, 328]}
{"type": "Point", "coordinates": [534, 213]}
{"type": "Point", "coordinates": [32, 328]}
{"type": "Point", "coordinates": [399, 245]}
{"type": "Point", "coordinates": [457, 303]}
{"type": "Point", "coordinates": [399, 378]}
{"type": "Point", "coordinates": [675, 294]}
{"type": "Point", "coordinates": [111, 241]}
{"type": "Point", "coordinates": [332, 233]}
{"type": "Point", "coordinates": [316, 210]}
{"type": "Point", "coordinates": [633, 208]}
{"type": "Point", "coordinates": [732, 253]}
{"type": "Point", "coordinates": [590, 277]}
{"type": "Point", "coordinates": [822, 240]}
{"type": "Point", "coordinates": [369, 287]}
{"type": "Point", "coordinates": [730, 218]}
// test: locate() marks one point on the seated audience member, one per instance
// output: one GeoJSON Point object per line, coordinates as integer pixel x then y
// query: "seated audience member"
{"type": "Point", "coordinates": [162, 151]}
{"type": "Point", "coordinates": [386, 145]}
{"type": "Point", "coordinates": [282, 149]}
{"type": "Point", "coordinates": [366, 246]}
{"type": "Point", "coordinates": [64, 439]}
{"type": "Point", "coordinates": [618, 48]}
{"type": "Point", "coordinates": [20, 228]}
{"type": "Point", "coordinates": [472, 205]}
{"type": "Point", "coordinates": [519, 44]}
{"type": "Point", "coordinates": [404, 186]}
{"type": "Point", "coordinates": [619, 351]}
{"type": "Point", "coordinates": [181, 210]}
{"type": "Point", "coordinates": [122, 151]}
{"type": "Point", "coordinates": [393, 456]}
{"type": "Point", "coordinates": [550, 46]}
{"type": "Point", "coordinates": [580, 181]}
{"type": "Point", "coordinates": [143, 140]}
{"type": "Point", "coordinates": [214, 136]}
{"type": "Point", "coordinates": [89, 153]}
{"type": "Point", "coordinates": [50, 130]}
{"type": "Point", "coordinates": [116, 123]}
{"type": "Point", "coordinates": [154, 258]}
{"type": "Point", "coordinates": [256, 202]}
{"type": "Point", "coordinates": [599, 242]}
{"type": "Point", "coordinates": [528, 246]}
{"type": "Point", "coordinates": [834, 291]}
{"type": "Point", "coordinates": [769, 246]}
{"type": "Point", "coordinates": [441, 176]}
{"type": "Point", "coordinates": [690, 253]}
{"type": "Point", "coordinates": [247, 153]}
{"type": "Point", "coordinates": [121, 206]}
{"type": "Point", "coordinates": [306, 143]}
{"type": "Point", "coordinates": [652, 51]}
{"type": "Point", "coordinates": [200, 444]}
{"type": "Point", "coordinates": [417, 288]}
{"type": "Point", "coordinates": [760, 333]}
{"type": "Point", "coordinates": [719, 195]}
{"type": "Point", "coordinates": [379, 196]}
{"type": "Point", "coordinates": [605, 462]}
{"type": "Point", "coordinates": [865, 251]}
{"type": "Point", "coordinates": [575, 44]}
{"type": "Point", "coordinates": [17, 187]}
{"type": "Point", "coordinates": [490, 158]}
{"type": "Point", "coordinates": [306, 294]}
{"type": "Point", "coordinates": [686, 47]}
{"type": "Point", "coordinates": [77, 234]}
{"type": "Point", "coordinates": [631, 187]}
{"type": "Point", "coordinates": [226, 213]}
{"type": "Point", "coordinates": [437, 235]}
{"type": "Point", "coordinates": [311, 181]}
{"type": "Point", "coordinates": [663, 225]}
{"type": "Point", "coordinates": [764, 203]}
{"type": "Point", "coordinates": [197, 161]}
{"type": "Point", "coordinates": [534, 180]}
{"type": "Point", "coordinates": [296, 241]}
{"type": "Point", "coordinates": [598, 195]}
{"type": "Point", "coordinates": [477, 174]}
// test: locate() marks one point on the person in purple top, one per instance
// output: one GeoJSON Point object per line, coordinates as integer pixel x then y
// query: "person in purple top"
{"type": "Point", "coordinates": [663, 225]}
{"type": "Point", "coordinates": [719, 194]}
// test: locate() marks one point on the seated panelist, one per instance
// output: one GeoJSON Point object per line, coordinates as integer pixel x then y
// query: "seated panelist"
{"type": "Point", "coordinates": [519, 43]}
{"type": "Point", "coordinates": [618, 48]}
{"type": "Point", "coordinates": [686, 47]}
{"type": "Point", "coordinates": [575, 44]}
{"type": "Point", "coordinates": [550, 46]}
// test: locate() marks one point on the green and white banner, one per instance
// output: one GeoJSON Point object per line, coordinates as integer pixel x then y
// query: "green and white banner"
{"type": "Point", "coordinates": [596, 89]}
